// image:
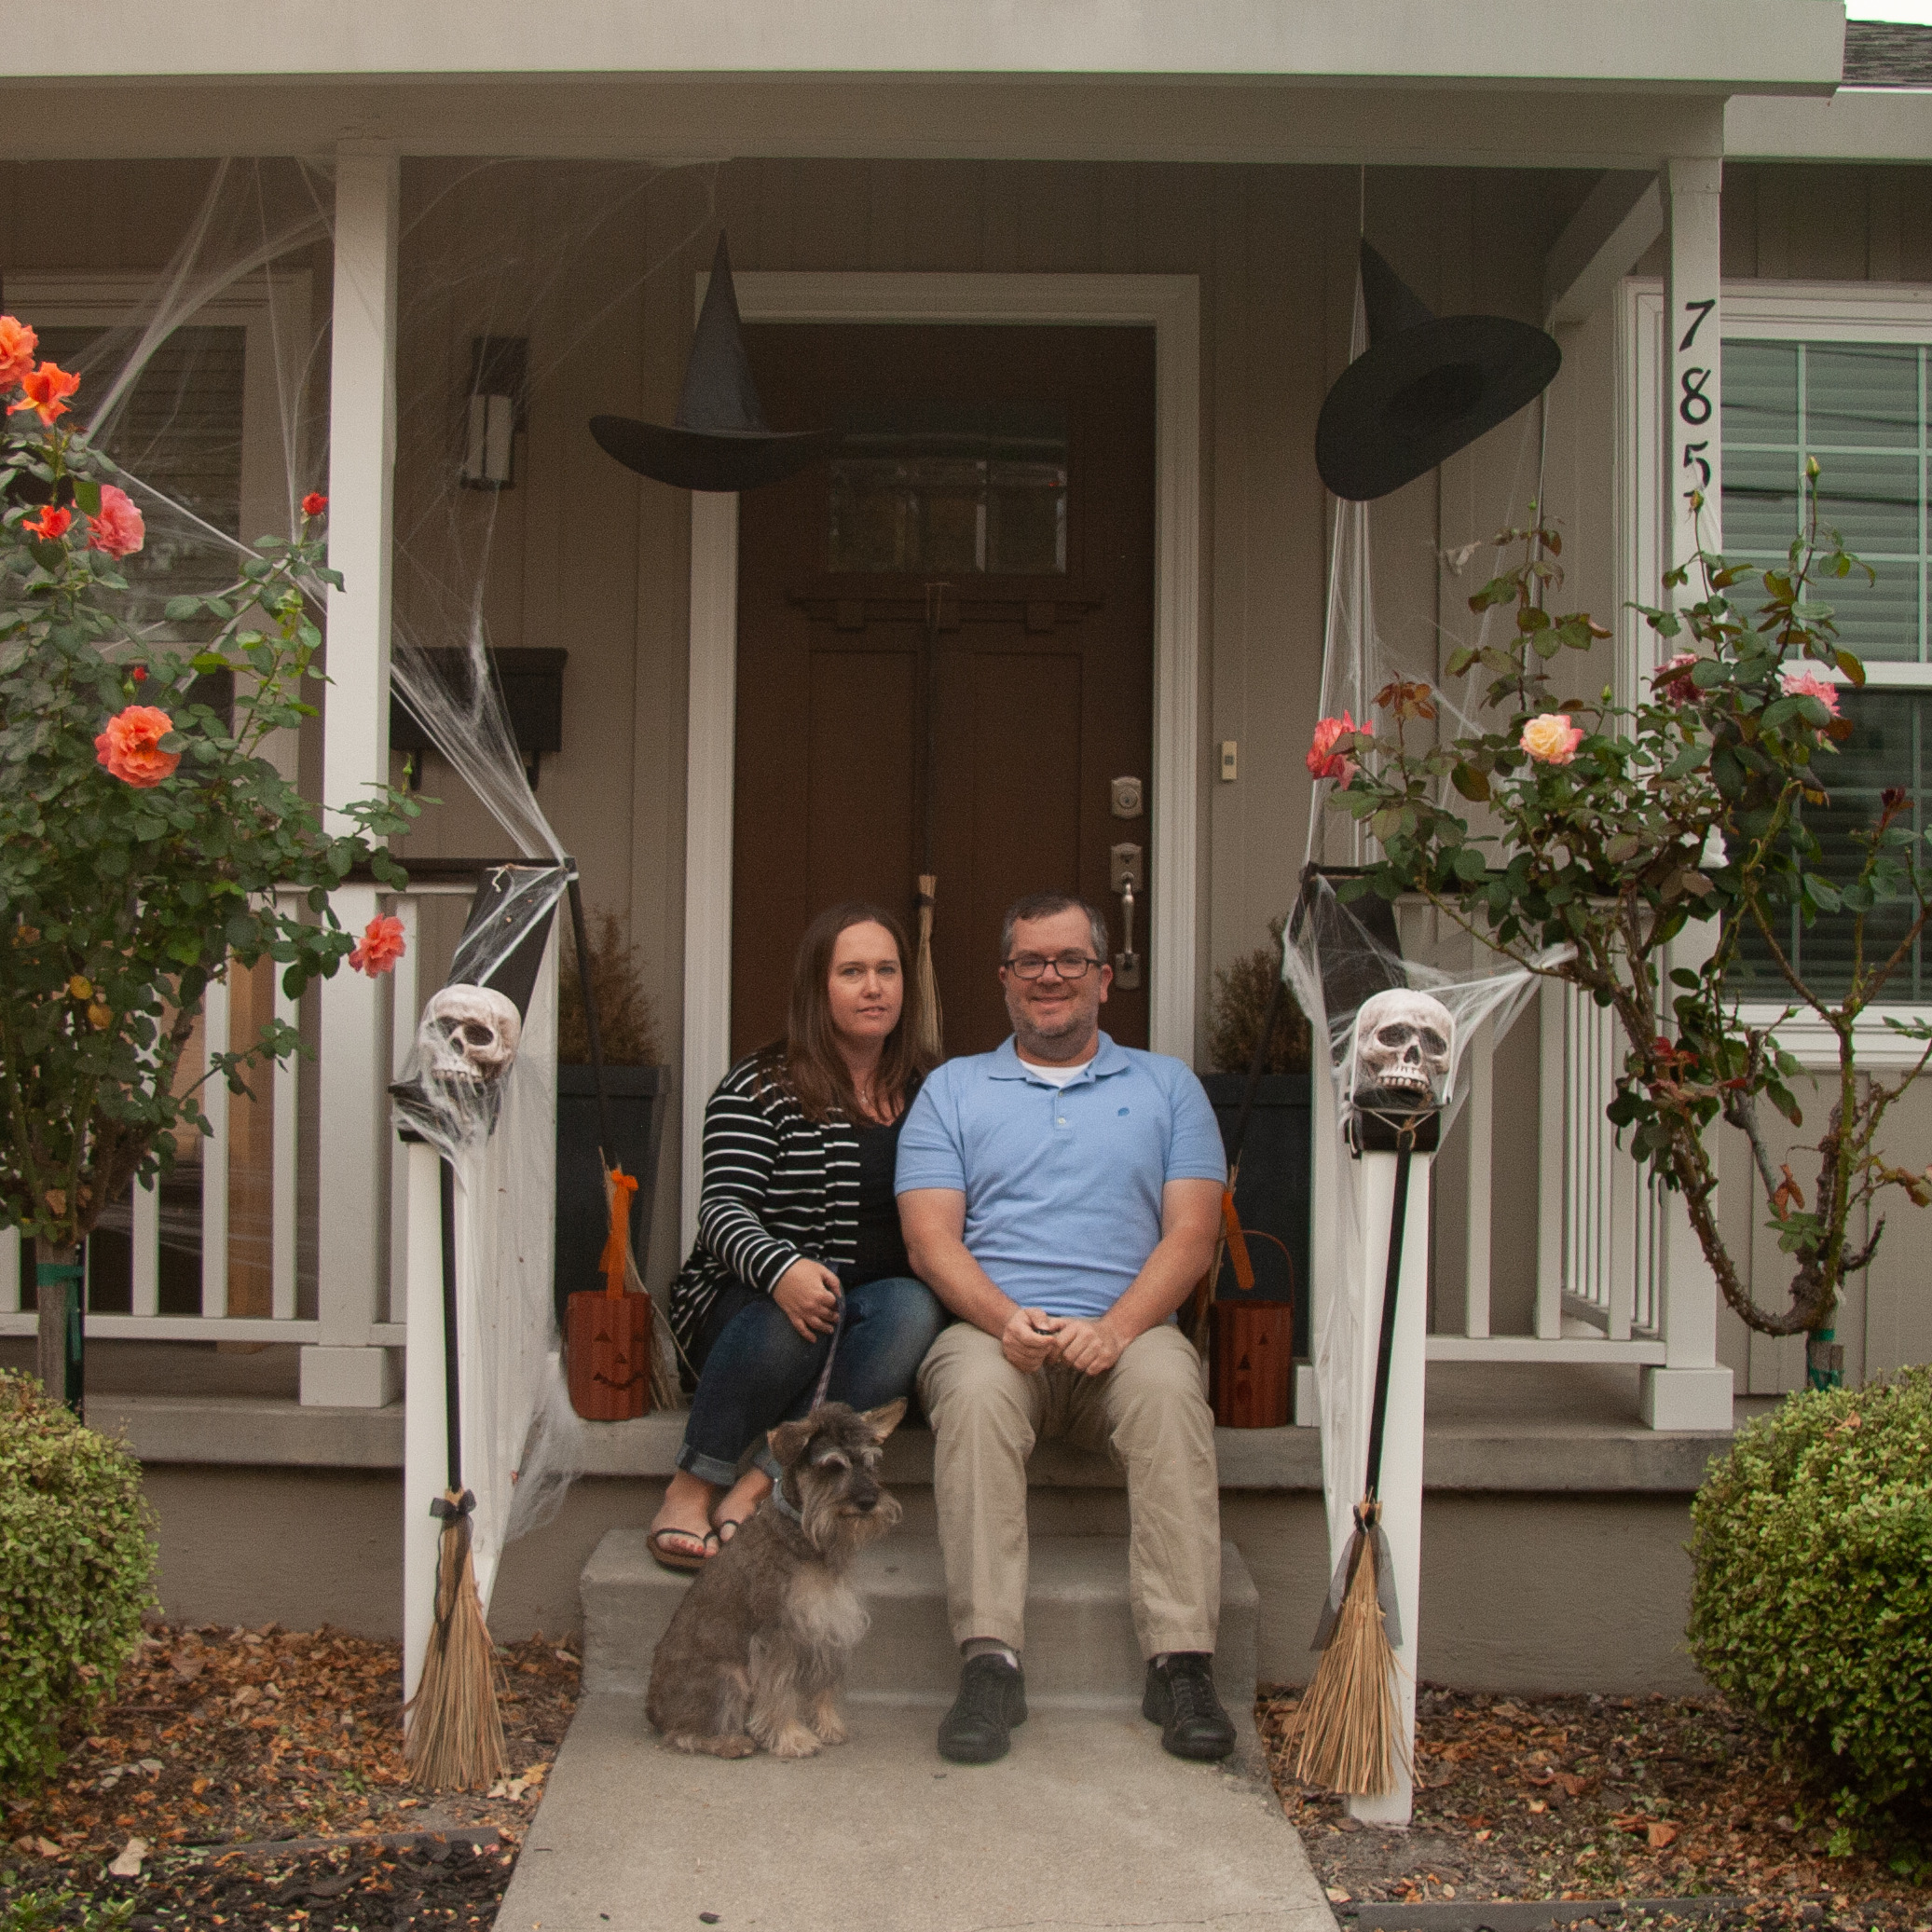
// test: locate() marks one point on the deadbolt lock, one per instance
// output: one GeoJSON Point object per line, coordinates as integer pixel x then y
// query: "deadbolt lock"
{"type": "Point", "coordinates": [1127, 797]}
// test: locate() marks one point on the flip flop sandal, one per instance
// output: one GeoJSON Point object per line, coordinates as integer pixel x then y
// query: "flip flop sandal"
{"type": "Point", "coordinates": [668, 1558]}
{"type": "Point", "coordinates": [733, 1524]}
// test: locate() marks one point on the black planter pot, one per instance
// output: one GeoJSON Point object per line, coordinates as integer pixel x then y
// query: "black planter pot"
{"type": "Point", "coordinates": [1272, 1194]}
{"type": "Point", "coordinates": [639, 1098]}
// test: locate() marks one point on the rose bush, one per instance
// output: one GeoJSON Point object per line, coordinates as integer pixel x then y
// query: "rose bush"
{"type": "Point", "coordinates": [1618, 831]}
{"type": "Point", "coordinates": [142, 832]}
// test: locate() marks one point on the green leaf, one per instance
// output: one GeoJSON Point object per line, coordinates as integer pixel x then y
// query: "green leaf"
{"type": "Point", "coordinates": [1470, 782]}
{"type": "Point", "coordinates": [1851, 666]}
{"type": "Point", "coordinates": [182, 610]}
{"type": "Point", "coordinates": [86, 496]}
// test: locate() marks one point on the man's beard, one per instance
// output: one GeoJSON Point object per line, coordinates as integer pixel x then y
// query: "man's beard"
{"type": "Point", "coordinates": [1074, 1028]}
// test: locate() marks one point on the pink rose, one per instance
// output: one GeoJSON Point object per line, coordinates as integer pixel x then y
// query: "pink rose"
{"type": "Point", "coordinates": [118, 530]}
{"type": "Point", "coordinates": [1551, 739]}
{"type": "Point", "coordinates": [1671, 679]}
{"type": "Point", "coordinates": [1808, 684]}
{"type": "Point", "coordinates": [381, 947]}
{"type": "Point", "coordinates": [130, 748]}
{"type": "Point", "coordinates": [1324, 761]}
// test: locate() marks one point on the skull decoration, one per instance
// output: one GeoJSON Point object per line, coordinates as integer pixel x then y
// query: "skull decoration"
{"type": "Point", "coordinates": [469, 1033]}
{"type": "Point", "coordinates": [1402, 1050]}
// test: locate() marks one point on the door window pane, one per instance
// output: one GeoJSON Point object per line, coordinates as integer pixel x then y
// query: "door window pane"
{"type": "Point", "coordinates": [963, 491]}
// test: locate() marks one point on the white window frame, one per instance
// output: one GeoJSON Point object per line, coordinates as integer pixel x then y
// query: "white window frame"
{"type": "Point", "coordinates": [1766, 311]}
{"type": "Point", "coordinates": [274, 309]}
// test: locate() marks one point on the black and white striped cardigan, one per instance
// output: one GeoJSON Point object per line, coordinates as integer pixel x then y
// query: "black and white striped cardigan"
{"type": "Point", "coordinates": [778, 1187]}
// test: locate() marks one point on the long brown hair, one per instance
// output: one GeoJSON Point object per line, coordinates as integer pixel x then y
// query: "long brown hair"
{"type": "Point", "coordinates": [807, 1063]}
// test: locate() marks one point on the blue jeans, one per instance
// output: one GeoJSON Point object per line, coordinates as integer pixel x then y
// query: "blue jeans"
{"type": "Point", "coordinates": [756, 1370]}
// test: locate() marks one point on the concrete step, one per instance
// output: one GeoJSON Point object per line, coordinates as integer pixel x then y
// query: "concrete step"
{"type": "Point", "coordinates": [1080, 1646]}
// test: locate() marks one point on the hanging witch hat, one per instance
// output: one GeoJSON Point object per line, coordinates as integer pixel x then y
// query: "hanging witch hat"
{"type": "Point", "coordinates": [1427, 385]}
{"type": "Point", "coordinates": [720, 439]}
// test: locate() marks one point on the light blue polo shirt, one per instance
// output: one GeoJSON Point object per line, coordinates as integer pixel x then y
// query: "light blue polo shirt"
{"type": "Point", "coordinates": [1063, 1185]}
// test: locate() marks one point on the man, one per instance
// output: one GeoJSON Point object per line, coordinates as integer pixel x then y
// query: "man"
{"type": "Point", "coordinates": [1060, 1196]}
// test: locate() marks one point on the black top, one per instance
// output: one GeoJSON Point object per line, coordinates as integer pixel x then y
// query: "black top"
{"type": "Point", "coordinates": [880, 1250]}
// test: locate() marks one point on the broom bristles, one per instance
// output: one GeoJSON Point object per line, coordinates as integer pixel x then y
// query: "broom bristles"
{"type": "Point", "coordinates": [1350, 1722]}
{"type": "Point", "coordinates": [930, 1024]}
{"type": "Point", "coordinates": [455, 1736]}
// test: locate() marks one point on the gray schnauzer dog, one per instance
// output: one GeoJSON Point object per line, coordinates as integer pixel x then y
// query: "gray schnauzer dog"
{"type": "Point", "coordinates": [756, 1652]}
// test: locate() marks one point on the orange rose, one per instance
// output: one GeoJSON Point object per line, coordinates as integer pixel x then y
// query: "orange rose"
{"type": "Point", "coordinates": [314, 503]}
{"type": "Point", "coordinates": [41, 392]}
{"type": "Point", "coordinates": [130, 747]}
{"type": "Point", "coordinates": [18, 343]}
{"type": "Point", "coordinates": [1551, 739]}
{"type": "Point", "coordinates": [49, 524]}
{"type": "Point", "coordinates": [381, 947]}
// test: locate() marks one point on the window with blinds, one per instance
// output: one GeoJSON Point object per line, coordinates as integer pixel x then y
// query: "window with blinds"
{"type": "Point", "coordinates": [1860, 409]}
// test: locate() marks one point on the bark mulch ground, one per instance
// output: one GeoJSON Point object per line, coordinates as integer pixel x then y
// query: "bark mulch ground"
{"type": "Point", "coordinates": [1593, 1798]}
{"type": "Point", "coordinates": [261, 1773]}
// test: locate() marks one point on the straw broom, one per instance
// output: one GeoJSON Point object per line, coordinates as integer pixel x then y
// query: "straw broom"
{"type": "Point", "coordinates": [455, 1736]}
{"type": "Point", "coordinates": [930, 1025]}
{"type": "Point", "coordinates": [1350, 1722]}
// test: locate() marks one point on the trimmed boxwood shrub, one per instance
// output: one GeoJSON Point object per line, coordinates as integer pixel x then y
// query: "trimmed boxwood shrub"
{"type": "Point", "coordinates": [76, 1564]}
{"type": "Point", "coordinates": [1811, 1603]}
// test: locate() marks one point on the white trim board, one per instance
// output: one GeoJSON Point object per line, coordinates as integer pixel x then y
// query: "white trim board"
{"type": "Point", "coordinates": [1171, 303]}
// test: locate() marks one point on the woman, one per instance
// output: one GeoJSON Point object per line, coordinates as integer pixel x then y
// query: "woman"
{"type": "Point", "coordinates": [799, 1252]}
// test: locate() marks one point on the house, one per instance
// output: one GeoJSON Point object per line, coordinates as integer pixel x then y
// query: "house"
{"type": "Point", "coordinates": [1082, 274]}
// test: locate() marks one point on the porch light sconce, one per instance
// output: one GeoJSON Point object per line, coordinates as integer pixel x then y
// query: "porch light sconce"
{"type": "Point", "coordinates": [498, 376]}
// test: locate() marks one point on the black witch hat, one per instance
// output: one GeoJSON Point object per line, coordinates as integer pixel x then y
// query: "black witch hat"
{"type": "Point", "coordinates": [1426, 387]}
{"type": "Point", "coordinates": [720, 439]}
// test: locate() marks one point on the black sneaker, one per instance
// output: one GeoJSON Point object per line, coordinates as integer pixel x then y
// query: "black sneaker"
{"type": "Point", "coordinates": [991, 1700]}
{"type": "Point", "coordinates": [1180, 1698]}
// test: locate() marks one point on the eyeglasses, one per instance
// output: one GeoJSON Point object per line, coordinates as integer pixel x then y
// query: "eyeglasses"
{"type": "Point", "coordinates": [1029, 966]}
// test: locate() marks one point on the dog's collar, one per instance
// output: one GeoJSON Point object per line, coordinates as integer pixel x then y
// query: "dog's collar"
{"type": "Point", "coordinates": [784, 1505]}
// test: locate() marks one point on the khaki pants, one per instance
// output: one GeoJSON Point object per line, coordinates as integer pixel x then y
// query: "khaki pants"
{"type": "Point", "coordinates": [1148, 1412]}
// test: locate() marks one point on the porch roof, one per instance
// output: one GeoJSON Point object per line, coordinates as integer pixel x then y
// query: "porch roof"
{"type": "Point", "coordinates": [1422, 82]}
{"type": "Point", "coordinates": [1727, 45]}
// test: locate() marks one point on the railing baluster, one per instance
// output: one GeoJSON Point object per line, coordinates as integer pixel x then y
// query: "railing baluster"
{"type": "Point", "coordinates": [145, 1241]}
{"type": "Point", "coordinates": [214, 1155]}
{"type": "Point", "coordinates": [1479, 1113]}
{"type": "Point", "coordinates": [403, 982]}
{"type": "Point", "coordinates": [285, 1184]}
{"type": "Point", "coordinates": [1552, 1149]}
{"type": "Point", "coordinates": [9, 1272]}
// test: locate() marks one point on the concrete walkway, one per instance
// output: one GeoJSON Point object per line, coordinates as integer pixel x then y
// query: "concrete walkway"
{"type": "Point", "coordinates": [1088, 1824]}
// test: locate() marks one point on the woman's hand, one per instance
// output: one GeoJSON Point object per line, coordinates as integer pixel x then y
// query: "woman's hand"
{"type": "Point", "coordinates": [808, 1292]}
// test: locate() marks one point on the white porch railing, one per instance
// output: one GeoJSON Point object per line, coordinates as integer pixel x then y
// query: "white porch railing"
{"type": "Point", "coordinates": [1618, 1277]}
{"type": "Point", "coordinates": [231, 1211]}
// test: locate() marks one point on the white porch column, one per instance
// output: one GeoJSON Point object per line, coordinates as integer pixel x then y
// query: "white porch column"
{"type": "Point", "coordinates": [1691, 1391]}
{"type": "Point", "coordinates": [344, 1369]}
{"type": "Point", "coordinates": [1694, 359]}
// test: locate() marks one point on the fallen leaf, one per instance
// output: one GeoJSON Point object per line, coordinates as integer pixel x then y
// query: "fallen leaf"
{"type": "Point", "coordinates": [1537, 1804]}
{"type": "Point", "coordinates": [249, 1693]}
{"type": "Point", "coordinates": [1660, 1835]}
{"type": "Point", "coordinates": [129, 1864]}
{"type": "Point", "coordinates": [1574, 1786]}
{"type": "Point", "coordinates": [152, 1766]}
{"type": "Point", "coordinates": [201, 1785]}
{"type": "Point", "coordinates": [186, 1667]}
{"type": "Point", "coordinates": [1336, 1896]}
{"type": "Point", "coordinates": [47, 1848]}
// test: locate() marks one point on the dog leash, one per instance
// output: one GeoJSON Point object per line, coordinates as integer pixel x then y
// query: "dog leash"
{"type": "Point", "coordinates": [824, 1374]}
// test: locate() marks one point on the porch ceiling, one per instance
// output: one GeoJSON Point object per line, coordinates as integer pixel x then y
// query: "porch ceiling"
{"type": "Point", "coordinates": [1729, 44]}
{"type": "Point", "coordinates": [613, 117]}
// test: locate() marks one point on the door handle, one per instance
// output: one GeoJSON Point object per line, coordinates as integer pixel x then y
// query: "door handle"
{"type": "Point", "coordinates": [1128, 869]}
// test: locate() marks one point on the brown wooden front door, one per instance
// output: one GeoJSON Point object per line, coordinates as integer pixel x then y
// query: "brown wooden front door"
{"type": "Point", "coordinates": [974, 572]}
